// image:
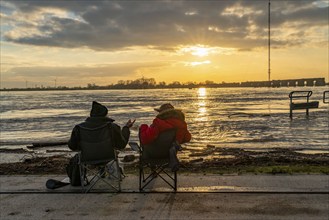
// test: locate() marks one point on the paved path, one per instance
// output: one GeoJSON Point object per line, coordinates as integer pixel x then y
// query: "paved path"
{"type": "Point", "coordinates": [198, 197]}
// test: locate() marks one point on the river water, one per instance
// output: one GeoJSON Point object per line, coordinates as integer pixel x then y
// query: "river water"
{"type": "Point", "coordinates": [248, 118]}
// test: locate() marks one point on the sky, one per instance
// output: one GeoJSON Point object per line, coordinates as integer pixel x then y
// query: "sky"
{"type": "Point", "coordinates": [73, 43]}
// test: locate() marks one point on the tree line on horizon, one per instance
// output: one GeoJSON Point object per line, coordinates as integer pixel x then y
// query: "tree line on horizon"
{"type": "Point", "coordinates": [150, 83]}
{"type": "Point", "coordinates": [140, 83]}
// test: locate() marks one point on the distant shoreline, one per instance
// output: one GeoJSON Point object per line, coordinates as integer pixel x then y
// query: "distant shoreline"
{"type": "Point", "coordinates": [85, 89]}
{"type": "Point", "coordinates": [150, 84]}
{"type": "Point", "coordinates": [183, 87]}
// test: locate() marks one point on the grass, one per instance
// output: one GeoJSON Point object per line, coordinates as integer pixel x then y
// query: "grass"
{"type": "Point", "coordinates": [278, 169]}
{"type": "Point", "coordinates": [251, 169]}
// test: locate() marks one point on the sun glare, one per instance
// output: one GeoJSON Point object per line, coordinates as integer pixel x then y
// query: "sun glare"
{"type": "Point", "coordinates": [196, 63]}
{"type": "Point", "coordinates": [202, 92]}
{"type": "Point", "coordinates": [202, 104]}
{"type": "Point", "coordinates": [198, 50]}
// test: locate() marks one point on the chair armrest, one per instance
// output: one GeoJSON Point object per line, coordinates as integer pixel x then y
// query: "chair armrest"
{"type": "Point", "coordinates": [134, 146]}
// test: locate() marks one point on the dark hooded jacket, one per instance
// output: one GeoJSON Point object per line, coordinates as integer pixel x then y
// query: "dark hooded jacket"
{"type": "Point", "coordinates": [168, 119]}
{"type": "Point", "coordinates": [98, 119]}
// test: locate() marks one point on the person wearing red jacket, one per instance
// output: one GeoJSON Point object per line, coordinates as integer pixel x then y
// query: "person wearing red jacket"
{"type": "Point", "coordinates": [168, 118]}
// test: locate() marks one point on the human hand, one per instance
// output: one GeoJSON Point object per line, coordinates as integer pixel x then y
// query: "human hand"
{"type": "Point", "coordinates": [130, 123]}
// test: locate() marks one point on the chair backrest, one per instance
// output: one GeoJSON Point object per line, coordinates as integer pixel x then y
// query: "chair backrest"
{"type": "Point", "coordinates": [159, 148]}
{"type": "Point", "coordinates": [96, 144]}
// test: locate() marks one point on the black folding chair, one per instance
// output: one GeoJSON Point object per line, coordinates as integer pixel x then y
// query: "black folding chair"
{"type": "Point", "coordinates": [154, 160]}
{"type": "Point", "coordinates": [96, 157]}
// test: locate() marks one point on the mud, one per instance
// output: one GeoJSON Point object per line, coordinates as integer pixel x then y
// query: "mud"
{"type": "Point", "coordinates": [216, 159]}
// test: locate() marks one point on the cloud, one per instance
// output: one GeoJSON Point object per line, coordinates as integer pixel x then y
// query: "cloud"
{"type": "Point", "coordinates": [114, 25]}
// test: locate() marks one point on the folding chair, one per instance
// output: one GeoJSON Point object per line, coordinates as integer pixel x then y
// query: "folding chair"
{"type": "Point", "coordinates": [95, 157]}
{"type": "Point", "coordinates": [154, 160]}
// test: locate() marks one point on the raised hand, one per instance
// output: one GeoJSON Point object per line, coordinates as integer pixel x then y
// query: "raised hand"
{"type": "Point", "coordinates": [130, 123]}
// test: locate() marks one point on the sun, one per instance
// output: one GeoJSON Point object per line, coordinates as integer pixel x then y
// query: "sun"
{"type": "Point", "coordinates": [200, 51]}
{"type": "Point", "coordinates": [197, 50]}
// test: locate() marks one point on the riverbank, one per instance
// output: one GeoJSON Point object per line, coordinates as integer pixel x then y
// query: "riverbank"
{"type": "Point", "coordinates": [217, 161]}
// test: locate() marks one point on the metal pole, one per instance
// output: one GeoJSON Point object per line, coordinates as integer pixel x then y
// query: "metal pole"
{"type": "Point", "coordinates": [269, 42]}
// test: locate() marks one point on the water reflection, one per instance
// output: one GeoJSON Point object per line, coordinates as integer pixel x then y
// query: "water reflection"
{"type": "Point", "coordinates": [223, 117]}
{"type": "Point", "coordinates": [202, 108]}
{"type": "Point", "coordinates": [202, 105]}
{"type": "Point", "coordinates": [202, 93]}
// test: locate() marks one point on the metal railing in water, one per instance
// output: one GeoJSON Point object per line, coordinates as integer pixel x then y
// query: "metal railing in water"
{"type": "Point", "coordinates": [326, 97]}
{"type": "Point", "coordinates": [302, 105]}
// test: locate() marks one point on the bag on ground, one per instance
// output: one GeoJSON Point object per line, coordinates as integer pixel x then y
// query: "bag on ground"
{"type": "Point", "coordinates": [73, 171]}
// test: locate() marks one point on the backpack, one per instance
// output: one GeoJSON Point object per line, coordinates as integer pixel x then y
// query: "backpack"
{"type": "Point", "coordinates": [73, 171]}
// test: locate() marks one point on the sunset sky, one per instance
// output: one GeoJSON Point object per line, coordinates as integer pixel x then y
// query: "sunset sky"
{"type": "Point", "coordinates": [73, 43]}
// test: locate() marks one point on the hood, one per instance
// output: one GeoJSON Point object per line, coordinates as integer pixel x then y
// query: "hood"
{"type": "Point", "coordinates": [171, 113]}
{"type": "Point", "coordinates": [98, 110]}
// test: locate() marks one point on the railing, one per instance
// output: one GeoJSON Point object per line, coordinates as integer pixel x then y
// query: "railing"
{"type": "Point", "coordinates": [325, 97]}
{"type": "Point", "coordinates": [302, 105]}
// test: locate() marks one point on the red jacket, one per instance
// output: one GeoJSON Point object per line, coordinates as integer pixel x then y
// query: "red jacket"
{"type": "Point", "coordinates": [164, 121]}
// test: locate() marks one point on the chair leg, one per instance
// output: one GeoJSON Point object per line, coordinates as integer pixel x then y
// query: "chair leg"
{"type": "Point", "coordinates": [96, 177]}
{"type": "Point", "coordinates": [170, 179]}
{"type": "Point", "coordinates": [140, 177]}
{"type": "Point", "coordinates": [175, 180]}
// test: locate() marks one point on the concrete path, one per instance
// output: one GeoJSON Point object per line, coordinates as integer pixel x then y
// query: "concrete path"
{"type": "Point", "coordinates": [198, 197]}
